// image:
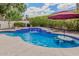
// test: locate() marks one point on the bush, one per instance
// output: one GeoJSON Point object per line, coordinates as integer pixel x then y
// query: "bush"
{"type": "Point", "coordinates": [28, 25]}
{"type": "Point", "coordinates": [72, 25]}
{"type": "Point", "coordinates": [43, 21]}
{"type": "Point", "coordinates": [39, 21]}
{"type": "Point", "coordinates": [19, 24]}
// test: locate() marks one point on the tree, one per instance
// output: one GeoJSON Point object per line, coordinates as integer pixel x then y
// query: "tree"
{"type": "Point", "coordinates": [12, 11]}
{"type": "Point", "coordinates": [13, 15]}
{"type": "Point", "coordinates": [3, 10]}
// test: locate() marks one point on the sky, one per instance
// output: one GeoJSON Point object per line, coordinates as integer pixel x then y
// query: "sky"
{"type": "Point", "coordinates": [41, 9]}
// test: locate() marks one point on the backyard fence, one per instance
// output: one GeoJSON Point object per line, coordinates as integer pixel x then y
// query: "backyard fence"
{"type": "Point", "coordinates": [4, 24]}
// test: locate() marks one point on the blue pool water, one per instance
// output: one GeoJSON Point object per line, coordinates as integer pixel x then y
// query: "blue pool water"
{"type": "Point", "coordinates": [39, 37]}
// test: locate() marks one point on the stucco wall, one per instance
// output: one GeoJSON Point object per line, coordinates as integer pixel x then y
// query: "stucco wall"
{"type": "Point", "coordinates": [4, 24]}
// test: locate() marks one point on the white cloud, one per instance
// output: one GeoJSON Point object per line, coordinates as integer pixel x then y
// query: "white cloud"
{"type": "Point", "coordinates": [47, 5]}
{"type": "Point", "coordinates": [45, 10]}
{"type": "Point", "coordinates": [66, 6]}
{"type": "Point", "coordinates": [39, 11]}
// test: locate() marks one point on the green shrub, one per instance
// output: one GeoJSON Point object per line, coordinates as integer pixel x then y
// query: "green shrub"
{"type": "Point", "coordinates": [28, 25]}
{"type": "Point", "coordinates": [72, 24]}
{"type": "Point", "coordinates": [19, 24]}
{"type": "Point", "coordinates": [39, 21]}
{"type": "Point", "coordinates": [43, 21]}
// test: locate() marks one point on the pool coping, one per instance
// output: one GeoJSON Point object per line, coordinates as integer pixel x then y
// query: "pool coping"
{"type": "Point", "coordinates": [66, 34]}
{"type": "Point", "coordinates": [46, 29]}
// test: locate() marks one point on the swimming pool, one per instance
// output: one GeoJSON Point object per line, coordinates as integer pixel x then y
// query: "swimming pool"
{"type": "Point", "coordinates": [40, 37]}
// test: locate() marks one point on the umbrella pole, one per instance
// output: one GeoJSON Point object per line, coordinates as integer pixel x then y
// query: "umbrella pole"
{"type": "Point", "coordinates": [64, 29]}
{"type": "Point", "coordinates": [64, 33]}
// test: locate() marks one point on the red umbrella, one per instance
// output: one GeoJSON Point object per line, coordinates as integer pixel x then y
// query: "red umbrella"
{"type": "Point", "coordinates": [63, 17]}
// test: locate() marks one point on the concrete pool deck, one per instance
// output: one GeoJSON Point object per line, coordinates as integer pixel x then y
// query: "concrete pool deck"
{"type": "Point", "coordinates": [15, 46]}
{"type": "Point", "coordinates": [60, 32]}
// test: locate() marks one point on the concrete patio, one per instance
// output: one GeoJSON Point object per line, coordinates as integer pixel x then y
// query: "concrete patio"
{"type": "Point", "coordinates": [15, 46]}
